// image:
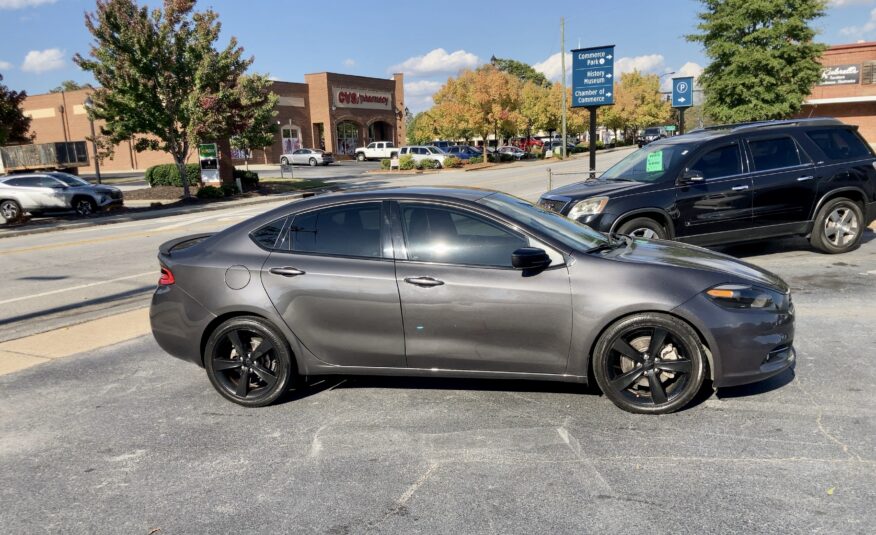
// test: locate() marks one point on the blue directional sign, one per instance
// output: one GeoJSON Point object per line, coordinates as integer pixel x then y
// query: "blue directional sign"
{"type": "Point", "coordinates": [682, 92]}
{"type": "Point", "coordinates": [593, 77]}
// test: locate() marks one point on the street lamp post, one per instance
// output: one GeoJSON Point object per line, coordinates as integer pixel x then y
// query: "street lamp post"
{"type": "Point", "coordinates": [89, 105]}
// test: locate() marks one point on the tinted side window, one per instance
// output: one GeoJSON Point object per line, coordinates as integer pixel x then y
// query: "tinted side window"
{"type": "Point", "coordinates": [33, 182]}
{"type": "Point", "coordinates": [839, 143]}
{"type": "Point", "coordinates": [773, 153]}
{"type": "Point", "coordinates": [438, 234]}
{"type": "Point", "coordinates": [720, 162]}
{"type": "Point", "coordinates": [267, 235]}
{"type": "Point", "coordinates": [352, 230]}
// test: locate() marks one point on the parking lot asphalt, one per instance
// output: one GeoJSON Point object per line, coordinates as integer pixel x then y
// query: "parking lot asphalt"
{"type": "Point", "coordinates": [129, 440]}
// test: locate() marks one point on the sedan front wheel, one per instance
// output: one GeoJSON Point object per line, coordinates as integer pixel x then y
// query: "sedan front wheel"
{"type": "Point", "coordinates": [649, 363]}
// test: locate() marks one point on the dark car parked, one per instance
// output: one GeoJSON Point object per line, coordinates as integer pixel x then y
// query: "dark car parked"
{"type": "Point", "coordinates": [463, 283]}
{"type": "Point", "coordinates": [650, 135]}
{"type": "Point", "coordinates": [814, 178]}
{"type": "Point", "coordinates": [463, 152]}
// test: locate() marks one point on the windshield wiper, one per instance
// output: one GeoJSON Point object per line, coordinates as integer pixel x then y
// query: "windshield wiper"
{"type": "Point", "coordinates": [611, 244]}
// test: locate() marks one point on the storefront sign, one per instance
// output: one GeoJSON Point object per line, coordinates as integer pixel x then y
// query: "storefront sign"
{"type": "Point", "coordinates": [362, 98]}
{"type": "Point", "coordinates": [840, 75]}
{"type": "Point", "coordinates": [208, 154]}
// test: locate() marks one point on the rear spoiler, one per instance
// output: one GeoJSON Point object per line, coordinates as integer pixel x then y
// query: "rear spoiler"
{"type": "Point", "coordinates": [185, 242]}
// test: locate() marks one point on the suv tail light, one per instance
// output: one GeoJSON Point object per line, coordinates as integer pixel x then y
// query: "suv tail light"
{"type": "Point", "coordinates": [166, 277]}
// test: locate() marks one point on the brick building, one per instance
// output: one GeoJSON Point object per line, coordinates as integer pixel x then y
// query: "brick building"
{"type": "Point", "coordinates": [847, 89]}
{"type": "Point", "coordinates": [335, 112]}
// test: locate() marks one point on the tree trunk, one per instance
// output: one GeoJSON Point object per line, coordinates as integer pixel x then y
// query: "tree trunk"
{"type": "Point", "coordinates": [183, 176]}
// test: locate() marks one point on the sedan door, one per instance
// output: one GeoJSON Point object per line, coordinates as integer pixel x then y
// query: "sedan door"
{"type": "Point", "coordinates": [333, 281]}
{"type": "Point", "coordinates": [784, 181]}
{"type": "Point", "coordinates": [300, 156]}
{"type": "Point", "coordinates": [721, 202]}
{"type": "Point", "coordinates": [464, 306]}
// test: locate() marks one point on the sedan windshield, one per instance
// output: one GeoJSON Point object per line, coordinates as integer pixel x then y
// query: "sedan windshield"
{"type": "Point", "coordinates": [648, 164]}
{"type": "Point", "coordinates": [571, 233]}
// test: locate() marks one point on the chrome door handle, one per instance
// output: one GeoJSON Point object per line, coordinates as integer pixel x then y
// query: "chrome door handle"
{"type": "Point", "coordinates": [286, 271]}
{"type": "Point", "coordinates": [805, 178]}
{"type": "Point", "coordinates": [424, 281]}
{"type": "Point", "coordinates": [739, 188]}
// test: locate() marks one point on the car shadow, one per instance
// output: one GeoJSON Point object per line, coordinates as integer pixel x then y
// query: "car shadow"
{"type": "Point", "coordinates": [777, 245]}
{"type": "Point", "coordinates": [762, 387]}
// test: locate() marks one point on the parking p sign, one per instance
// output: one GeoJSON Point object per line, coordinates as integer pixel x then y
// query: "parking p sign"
{"type": "Point", "coordinates": [682, 92]}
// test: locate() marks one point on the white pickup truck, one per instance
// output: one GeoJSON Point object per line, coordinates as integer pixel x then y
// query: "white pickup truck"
{"type": "Point", "coordinates": [377, 151]}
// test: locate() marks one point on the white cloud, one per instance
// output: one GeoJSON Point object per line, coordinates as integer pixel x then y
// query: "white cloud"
{"type": "Point", "coordinates": [5, 65]}
{"type": "Point", "coordinates": [552, 67]}
{"type": "Point", "coordinates": [844, 3]}
{"type": "Point", "coordinates": [349, 62]}
{"type": "Point", "coordinates": [688, 69]}
{"type": "Point", "coordinates": [39, 61]}
{"type": "Point", "coordinates": [21, 4]}
{"type": "Point", "coordinates": [437, 61]}
{"type": "Point", "coordinates": [860, 31]}
{"type": "Point", "coordinates": [422, 87]}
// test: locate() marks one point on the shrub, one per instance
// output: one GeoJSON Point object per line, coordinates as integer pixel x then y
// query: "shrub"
{"type": "Point", "coordinates": [248, 179]}
{"type": "Point", "coordinates": [168, 175]}
{"type": "Point", "coordinates": [229, 190]}
{"type": "Point", "coordinates": [385, 163]}
{"type": "Point", "coordinates": [210, 192]}
{"type": "Point", "coordinates": [476, 159]}
{"type": "Point", "coordinates": [506, 157]}
{"type": "Point", "coordinates": [580, 147]}
{"type": "Point", "coordinates": [406, 162]}
{"type": "Point", "coordinates": [452, 162]}
{"type": "Point", "coordinates": [599, 144]}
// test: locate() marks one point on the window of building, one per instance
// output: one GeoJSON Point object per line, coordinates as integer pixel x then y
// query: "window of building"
{"type": "Point", "coordinates": [348, 137]}
{"type": "Point", "coordinates": [720, 162]}
{"type": "Point", "coordinates": [774, 153]}
{"type": "Point", "coordinates": [839, 143]}
{"type": "Point", "coordinates": [350, 230]}
{"type": "Point", "coordinates": [439, 234]}
{"type": "Point", "coordinates": [868, 72]}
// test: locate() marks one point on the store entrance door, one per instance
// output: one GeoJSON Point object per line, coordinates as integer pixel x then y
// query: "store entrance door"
{"type": "Point", "coordinates": [348, 138]}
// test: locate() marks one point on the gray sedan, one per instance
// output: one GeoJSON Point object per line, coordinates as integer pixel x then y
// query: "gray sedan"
{"type": "Point", "coordinates": [53, 192]}
{"type": "Point", "coordinates": [464, 283]}
{"type": "Point", "coordinates": [311, 157]}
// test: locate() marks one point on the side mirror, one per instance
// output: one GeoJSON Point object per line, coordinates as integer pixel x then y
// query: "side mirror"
{"type": "Point", "coordinates": [530, 258]}
{"type": "Point", "coordinates": [692, 176]}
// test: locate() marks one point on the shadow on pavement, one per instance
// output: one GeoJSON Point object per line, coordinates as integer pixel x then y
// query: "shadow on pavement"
{"type": "Point", "coordinates": [777, 245]}
{"type": "Point", "coordinates": [754, 389]}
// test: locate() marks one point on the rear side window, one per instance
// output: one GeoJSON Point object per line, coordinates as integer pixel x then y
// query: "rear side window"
{"type": "Point", "coordinates": [351, 230]}
{"type": "Point", "coordinates": [720, 162]}
{"type": "Point", "coordinates": [774, 153]}
{"type": "Point", "coordinates": [267, 235]}
{"type": "Point", "coordinates": [839, 143]}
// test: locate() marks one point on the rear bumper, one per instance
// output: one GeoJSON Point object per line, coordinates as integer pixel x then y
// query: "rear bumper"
{"type": "Point", "coordinates": [177, 321]}
{"type": "Point", "coordinates": [747, 346]}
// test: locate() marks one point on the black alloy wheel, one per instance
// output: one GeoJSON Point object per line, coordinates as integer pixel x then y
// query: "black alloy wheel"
{"type": "Point", "coordinates": [84, 206]}
{"type": "Point", "coordinates": [10, 211]}
{"type": "Point", "coordinates": [649, 363]}
{"type": "Point", "coordinates": [248, 361]}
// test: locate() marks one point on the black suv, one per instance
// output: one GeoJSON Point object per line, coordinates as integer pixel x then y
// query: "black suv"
{"type": "Point", "coordinates": [810, 177]}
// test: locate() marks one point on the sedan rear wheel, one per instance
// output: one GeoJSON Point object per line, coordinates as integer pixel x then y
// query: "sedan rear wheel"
{"type": "Point", "coordinates": [649, 363]}
{"type": "Point", "coordinates": [248, 361]}
{"type": "Point", "coordinates": [313, 162]}
{"type": "Point", "coordinates": [10, 211]}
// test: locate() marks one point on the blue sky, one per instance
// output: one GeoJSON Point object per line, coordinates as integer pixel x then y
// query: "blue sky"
{"type": "Point", "coordinates": [425, 41]}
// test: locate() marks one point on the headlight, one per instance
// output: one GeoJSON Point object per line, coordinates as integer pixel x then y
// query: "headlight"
{"type": "Point", "coordinates": [591, 206]}
{"type": "Point", "coordinates": [740, 296]}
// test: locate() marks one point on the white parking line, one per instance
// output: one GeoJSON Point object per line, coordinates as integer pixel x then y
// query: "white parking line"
{"type": "Point", "coordinates": [80, 287]}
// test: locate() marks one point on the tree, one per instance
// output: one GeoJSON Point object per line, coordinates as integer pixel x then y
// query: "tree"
{"type": "Point", "coordinates": [521, 70]}
{"type": "Point", "coordinates": [637, 103]}
{"type": "Point", "coordinates": [14, 125]}
{"type": "Point", "coordinates": [538, 108]}
{"type": "Point", "coordinates": [764, 58]}
{"type": "Point", "coordinates": [256, 116]}
{"type": "Point", "coordinates": [70, 85]}
{"type": "Point", "coordinates": [162, 77]}
{"type": "Point", "coordinates": [421, 129]}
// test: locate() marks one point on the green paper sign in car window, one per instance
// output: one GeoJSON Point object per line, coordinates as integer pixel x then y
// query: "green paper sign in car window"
{"type": "Point", "coordinates": [654, 164]}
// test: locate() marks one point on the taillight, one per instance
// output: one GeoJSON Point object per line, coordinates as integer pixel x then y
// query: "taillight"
{"type": "Point", "coordinates": [166, 277]}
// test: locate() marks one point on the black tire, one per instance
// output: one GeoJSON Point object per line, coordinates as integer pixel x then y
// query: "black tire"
{"type": "Point", "coordinates": [267, 368]}
{"type": "Point", "coordinates": [360, 156]}
{"type": "Point", "coordinates": [10, 211]}
{"type": "Point", "coordinates": [643, 227]}
{"type": "Point", "coordinates": [84, 206]}
{"type": "Point", "coordinates": [284, 161]}
{"type": "Point", "coordinates": [662, 378]}
{"type": "Point", "coordinates": [312, 162]}
{"type": "Point", "coordinates": [839, 227]}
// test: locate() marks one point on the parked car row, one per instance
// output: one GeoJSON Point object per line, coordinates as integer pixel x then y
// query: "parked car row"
{"type": "Point", "coordinates": [52, 192]}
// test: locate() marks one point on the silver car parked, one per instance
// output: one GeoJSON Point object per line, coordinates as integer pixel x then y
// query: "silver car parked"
{"type": "Point", "coordinates": [53, 192]}
{"type": "Point", "coordinates": [311, 157]}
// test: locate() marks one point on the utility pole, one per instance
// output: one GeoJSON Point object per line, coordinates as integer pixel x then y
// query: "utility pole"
{"type": "Point", "coordinates": [563, 70]}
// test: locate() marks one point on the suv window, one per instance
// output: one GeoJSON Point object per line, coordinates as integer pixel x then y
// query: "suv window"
{"type": "Point", "coordinates": [774, 153]}
{"type": "Point", "coordinates": [719, 162]}
{"type": "Point", "coordinates": [404, 150]}
{"type": "Point", "coordinates": [267, 235]}
{"type": "Point", "coordinates": [33, 182]}
{"type": "Point", "coordinates": [439, 234]}
{"type": "Point", "coordinates": [350, 230]}
{"type": "Point", "coordinates": [839, 143]}
{"type": "Point", "coordinates": [390, 145]}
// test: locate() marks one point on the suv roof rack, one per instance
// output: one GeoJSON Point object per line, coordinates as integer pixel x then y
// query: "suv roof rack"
{"type": "Point", "coordinates": [754, 125]}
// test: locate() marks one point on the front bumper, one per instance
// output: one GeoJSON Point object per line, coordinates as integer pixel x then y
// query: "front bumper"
{"type": "Point", "coordinates": [747, 346]}
{"type": "Point", "coordinates": [108, 202]}
{"type": "Point", "coordinates": [870, 213]}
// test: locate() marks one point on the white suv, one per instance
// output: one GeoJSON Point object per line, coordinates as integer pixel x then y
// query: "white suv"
{"type": "Point", "coordinates": [425, 152]}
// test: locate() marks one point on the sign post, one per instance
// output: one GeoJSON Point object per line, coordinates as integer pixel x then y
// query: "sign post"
{"type": "Point", "coordinates": [682, 97]}
{"type": "Point", "coordinates": [208, 155]}
{"type": "Point", "coordinates": [593, 86]}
